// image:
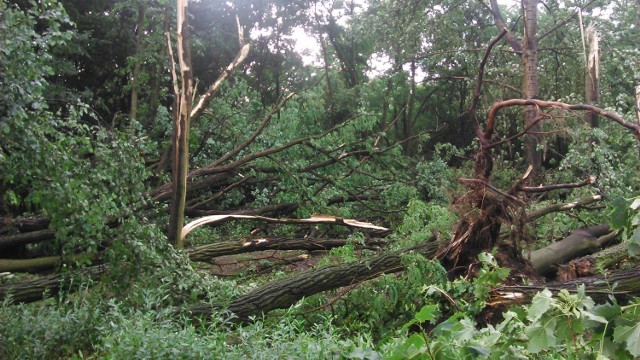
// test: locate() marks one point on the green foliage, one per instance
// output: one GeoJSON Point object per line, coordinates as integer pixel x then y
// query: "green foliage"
{"type": "Point", "coordinates": [422, 220]}
{"type": "Point", "coordinates": [625, 216]}
{"type": "Point", "coordinates": [50, 331]}
{"type": "Point", "coordinates": [435, 178]}
{"type": "Point", "coordinates": [564, 325]}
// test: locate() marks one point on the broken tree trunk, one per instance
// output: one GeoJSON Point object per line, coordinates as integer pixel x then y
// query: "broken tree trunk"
{"type": "Point", "coordinates": [209, 251]}
{"type": "Point", "coordinates": [286, 292]}
{"type": "Point", "coordinates": [579, 243]}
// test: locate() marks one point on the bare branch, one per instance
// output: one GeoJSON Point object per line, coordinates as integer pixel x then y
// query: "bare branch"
{"type": "Point", "coordinates": [476, 94]}
{"type": "Point", "coordinates": [563, 207]}
{"type": "Point", "coordinates": [633, 127]}
{"type": "Point", "coordinates": [563, 22]}
{"type": "Point", "coordinates": [265, 121]}
{"type": "Point", "coordinates": [205, 99]}
{"type": "Point", "coordinates": [536, 189]}
{"type": "Point", "coordinates": [511, 39]}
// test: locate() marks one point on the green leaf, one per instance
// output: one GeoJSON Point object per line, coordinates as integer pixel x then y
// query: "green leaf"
{"type": "Point", "coordinates": [629, 335]}
{"type": "Point", "coordinates": [540, 337]}
{"type": "Point", "coordinates": [593, 317]}
{"type": "Point", "coordinates": [540, 304]}
{"type": "Point", "coordinates": [428, 313]}
{"type": "Point", "coordinates": [618, 215]}
{"type": "Point", "coordinates": [634, 243]}
{"type": "Point", "coordinates": [411, 347]}
{"type": "Point", "coordinates": [478, 350]}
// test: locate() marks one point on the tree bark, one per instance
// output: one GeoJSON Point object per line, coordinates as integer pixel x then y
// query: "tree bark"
{"type": "Point", "coordinates": [592, 75]}
{"type": "Point", "coordinates": [581, 242]}
{"type": "Point", "coordinates": [598, 287]}
{"type": "Point", "coordinates": [44, 287]}
{"type": "Point", "coordinates": [24, 224]}
{"type": "Point", "coordinates": [209, 251]}
{"type": "Point", "coordinates": [29, 265]}
{"type": "Point", "coordinates": [530, 83]}
{"type": "Point", "coordinates": [527, 47]}
{"type": "Point", "coordinates": [8, 241]}
{"type": "Point", "coordinates": [286, 292]}
{"type": "Point", "coordinates": [181, 129]}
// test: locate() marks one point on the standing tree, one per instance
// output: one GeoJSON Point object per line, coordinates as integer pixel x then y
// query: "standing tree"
{"type": "Point", "coordinates": [185, 111]}
{"type": "Point", "coordinates": [527, 48]}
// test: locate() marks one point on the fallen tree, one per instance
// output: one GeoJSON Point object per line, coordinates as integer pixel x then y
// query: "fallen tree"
{"type": "Point", "coordinates": [286, 292]}
{"type": "Point", "coordinates": [627, 286]}
{"type": "Point", "coordinates": [209, 251]}
{"type": "Point", "coordinates": [206, 253]}
{"type": "Point", "coordinates": [581, 242]}
{"type": "Point", "coordinates": [46, 286]}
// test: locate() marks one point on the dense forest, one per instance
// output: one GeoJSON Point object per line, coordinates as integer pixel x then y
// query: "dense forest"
{"type": "Point", "coordinates": [339, 179]}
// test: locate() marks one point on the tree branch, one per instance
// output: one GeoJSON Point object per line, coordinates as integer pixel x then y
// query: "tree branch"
{"type": "Point", "coordinates": [205, 99]}
{"type": "Point", "coordinates": [512, 40]}
{"type": "Point", "coordinates": [633, 127]}
{"type": "Point", "coordinates": [541, 188]}
{"type": "Point", "coordinates": [534, 215]}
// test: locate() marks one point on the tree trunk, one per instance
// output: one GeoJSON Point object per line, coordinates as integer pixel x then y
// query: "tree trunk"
{"type": "Point", "coordinates": [29, 265]}
{"type": "Point", "coordinates": [207, 252]}
{"type": "Point", "coordinates": [408, 144]}
{"type": "Point", "coordinates": [592, 75]}
{"type": "Point", "coordinates": [135, 76]}
{"type": "Point", "coordinates": [283, 293]}
{"type": "Point", "coordinates": [579, 243]}
{"type": "Point", "coordinates": [8, 241]}
{"type": "Point", "coordinates": [44, 287]}
{"type": "Point", "coordinates": [530, 83]}
{"type": "Point", "coordinates": [181, 129]}
{"type": "Point", "coordinates": [598, 287]}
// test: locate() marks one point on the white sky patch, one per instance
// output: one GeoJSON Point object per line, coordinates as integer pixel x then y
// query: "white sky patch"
{"type": "Point", "coordinates": [307, 46]}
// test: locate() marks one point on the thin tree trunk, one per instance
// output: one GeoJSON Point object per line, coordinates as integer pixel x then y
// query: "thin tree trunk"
{"type": "Point", "coordinates": [530, 83]}
{"type": "Point", "coordinates": [592, 75]}
{"type": "Point", "coordinates": [138, 62]}
{"type": "Point", "coordinates": [181, 129]}
{"type": "Point", "coordinates": [409, 142]}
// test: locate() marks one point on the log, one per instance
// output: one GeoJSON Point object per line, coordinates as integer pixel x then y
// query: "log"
{"type": "Point", "coordinates": [44, 287]}
{"type": "Point", "coordinates": [597, 287]}
{"type": "Point", "coordinates": [209, 251]}
{"type": "Point", "coordinates": [24, 224]}
{"type": "Point", "coordinates": [581, 242]}
{"type": "Point", "coordinates": [205, 253]}
{"type": "Point", "coordinates": [283, 293]}
{"type": "Point", "coordinates": [29, 265]}
{"type": "Point", "coordinates": [25, 238]}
